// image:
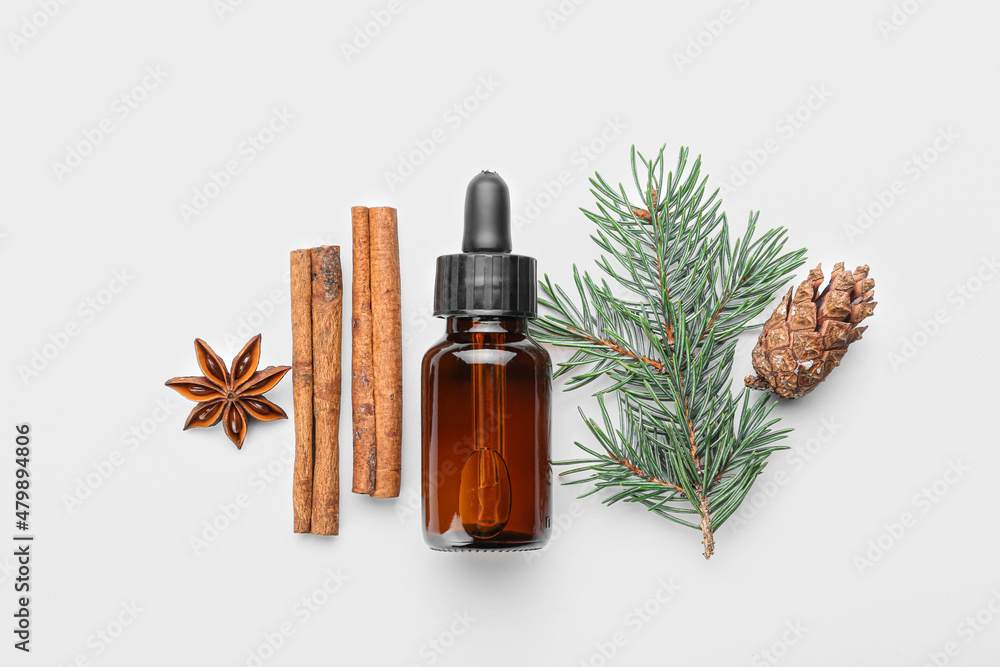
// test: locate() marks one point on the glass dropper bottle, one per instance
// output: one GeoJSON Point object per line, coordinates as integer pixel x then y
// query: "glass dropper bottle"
{"type": "Point", "coordinates": [486, 389]}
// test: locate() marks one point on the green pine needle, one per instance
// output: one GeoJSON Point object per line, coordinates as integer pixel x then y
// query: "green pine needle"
{"type": "Point", "coordinates": [660, 328]}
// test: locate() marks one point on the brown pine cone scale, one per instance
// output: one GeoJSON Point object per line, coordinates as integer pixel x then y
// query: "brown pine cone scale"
{"type": "Point", "coordinates": [810, 330]}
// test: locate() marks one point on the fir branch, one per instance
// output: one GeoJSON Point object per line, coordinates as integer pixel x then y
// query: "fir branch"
{"type": "Point", "coordinates": [663, 335]}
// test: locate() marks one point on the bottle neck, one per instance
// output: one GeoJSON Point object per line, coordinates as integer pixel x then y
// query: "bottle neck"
{"type": "Point", "coordinates": [487, 324]}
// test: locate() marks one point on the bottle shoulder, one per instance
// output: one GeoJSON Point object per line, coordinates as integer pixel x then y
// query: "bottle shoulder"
{"type": "Point", "coordinates": [459, 343]}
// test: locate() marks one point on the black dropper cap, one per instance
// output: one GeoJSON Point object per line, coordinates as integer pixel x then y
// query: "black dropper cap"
{"type": "Point", "coordinates": [486, 280]}
{"type": "Point", "coordinates": [487, 215]}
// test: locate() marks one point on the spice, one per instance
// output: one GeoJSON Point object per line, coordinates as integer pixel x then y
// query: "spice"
{"type": "Point", "coordinates": [387, 350]}
{"type": "Point", "coordinates": [362, 375]}
{"type": "Point", "coordinates": [327, 296]}
{"type": "Point", "coordinates": [302, 387]}
{"type": "Point", "coordinates": [230, 396]}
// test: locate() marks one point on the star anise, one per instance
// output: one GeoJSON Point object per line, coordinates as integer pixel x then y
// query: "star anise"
{"type": "Point", "coordinates": [230, 395]}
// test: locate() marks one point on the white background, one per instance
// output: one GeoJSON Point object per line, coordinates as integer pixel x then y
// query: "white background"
{"type": "Point", "coordinates": [877, 434]}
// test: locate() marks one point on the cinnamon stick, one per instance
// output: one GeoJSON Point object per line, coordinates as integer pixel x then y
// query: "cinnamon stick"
{"type": "Point", "coordinates": [362, 370]}
{"type": "Point", "coordinates": [327, 298]}
{"type": "Point", "coordinates": [387, 350]}
{"type": "Point", "coordinates": [302, 387]}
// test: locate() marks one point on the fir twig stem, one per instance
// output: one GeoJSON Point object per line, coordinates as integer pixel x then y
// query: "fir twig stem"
{"type": "Point", "coordinates": [658, 365]}
{"type": "Point", "coordinates": [639, 472]}
{"type": "Point", "coordinates": [707, 535]}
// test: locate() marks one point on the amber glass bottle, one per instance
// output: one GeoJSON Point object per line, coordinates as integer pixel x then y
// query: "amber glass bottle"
{"type": "Point", "coordinates": [485, 392]}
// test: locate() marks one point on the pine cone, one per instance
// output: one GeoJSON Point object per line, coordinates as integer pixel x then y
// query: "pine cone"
{"type": "Point", "coordinates": [809, 332]}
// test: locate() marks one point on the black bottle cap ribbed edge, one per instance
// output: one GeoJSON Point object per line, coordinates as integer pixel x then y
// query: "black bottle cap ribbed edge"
{"type": "Point", "coordinates": [486, 280]}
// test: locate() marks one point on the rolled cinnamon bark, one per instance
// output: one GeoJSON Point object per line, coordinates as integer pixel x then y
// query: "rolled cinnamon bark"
{"type": "Point", "coordinates": [327, 328]}
{"type": "Point", "coordinates": [362, 371]}
{"type": "Point", "coordinates": [387, 350]}
{"type": "Point", "coordinates": [302, 387]}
